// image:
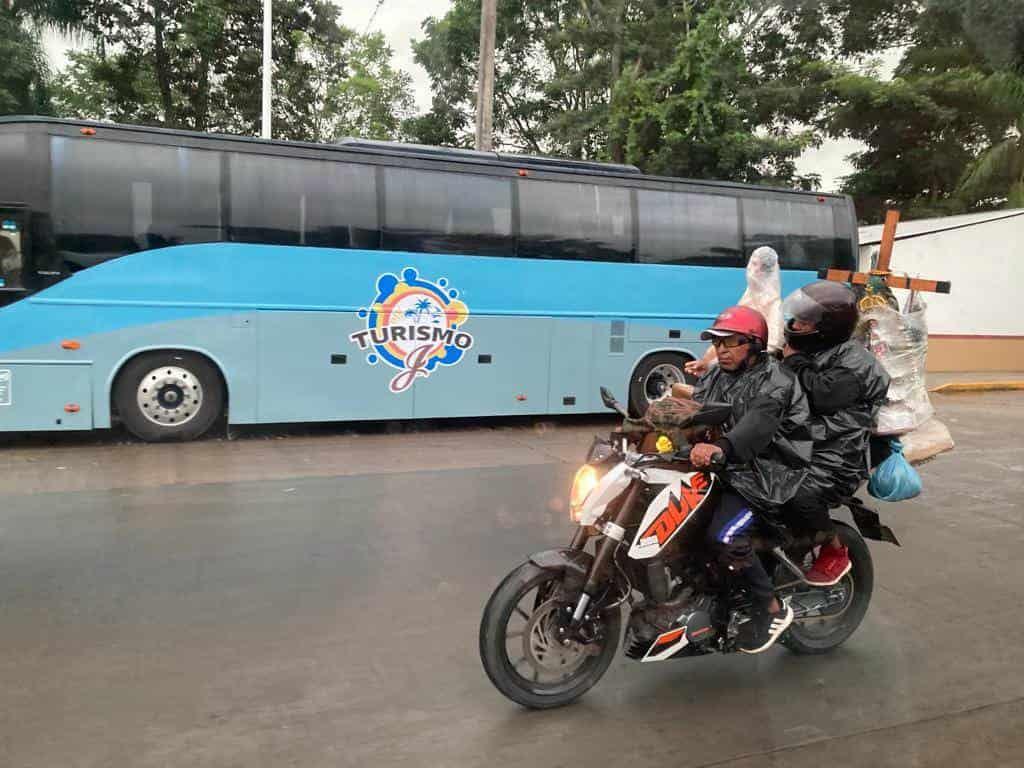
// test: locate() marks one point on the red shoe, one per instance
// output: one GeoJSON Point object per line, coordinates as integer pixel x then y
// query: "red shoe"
{"type": "Point", "coordinates": [829, 567]}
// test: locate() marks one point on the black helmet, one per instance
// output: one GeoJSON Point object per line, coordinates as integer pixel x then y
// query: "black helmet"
{"type": "Point", "coordinates": [831, 308]}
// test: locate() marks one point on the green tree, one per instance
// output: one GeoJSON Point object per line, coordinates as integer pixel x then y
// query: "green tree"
{"type": "Point", "coordinates": [197, 64]}
{"type": "Point", "coordinates": [926, 127]}
{"type": "Point", "coordinates": [703, 87]}
{"type": "Point", "coordinates": [699, 115]}
{"type": "Point", "coordinates": [998, 172]}
{"type": "Point", "coordinates": [23, 67]}
{"type": "Point", "coordinates": [24, 70]}
{"type": "Point", "coordinates": [553, 74]}
{"type": "Point", "coordinates": [997, 28]}
{"type": "Point", "coordinates": [370, 100]}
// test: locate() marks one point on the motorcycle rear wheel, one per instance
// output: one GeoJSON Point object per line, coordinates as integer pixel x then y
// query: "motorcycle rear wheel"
{"type": "Point", "coordinates": [517, 672]}
{"type": "Point", "coordinates": [804, 637]}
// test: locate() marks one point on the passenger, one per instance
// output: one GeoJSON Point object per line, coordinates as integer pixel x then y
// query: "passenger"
{"type": "Point", "coordinates": [845, 387]}
{"type": "Point", "coordinates": [767, 446]}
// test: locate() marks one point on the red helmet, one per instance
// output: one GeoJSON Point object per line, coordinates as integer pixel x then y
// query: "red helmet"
{"type": "Point", "coordinates": [742, 321]}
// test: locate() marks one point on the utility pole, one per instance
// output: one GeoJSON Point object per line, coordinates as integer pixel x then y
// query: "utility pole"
{"type": "Point", "coordinates": [485, 76]}
{"type": "Point", "coordinates": [268, 66]}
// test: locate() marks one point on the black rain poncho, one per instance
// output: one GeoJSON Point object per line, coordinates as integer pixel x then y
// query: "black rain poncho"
{"type": "Point", "coordinates": [845, 386]}
{"type": "Point", "coordinates": [767, 440]}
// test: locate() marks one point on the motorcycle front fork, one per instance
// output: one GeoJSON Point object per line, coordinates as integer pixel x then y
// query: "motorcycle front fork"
{"type": "Point", "coordinates": [613, 534]}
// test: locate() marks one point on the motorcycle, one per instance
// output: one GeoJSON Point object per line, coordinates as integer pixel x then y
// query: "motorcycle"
{"type": "Point", "coordinates": [552, 627]}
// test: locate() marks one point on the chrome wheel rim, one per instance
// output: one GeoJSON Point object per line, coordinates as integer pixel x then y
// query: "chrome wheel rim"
{"type": "Point", "coordinates": [169, 396]}
{"type": "Point", "coordinates": [822, 611]}
{"type": "Point", "coordinates": [659, 380]}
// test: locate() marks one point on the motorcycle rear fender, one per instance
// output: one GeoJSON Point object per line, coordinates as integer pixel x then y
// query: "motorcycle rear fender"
{"type": "Point", "coordinates": [868, 522]}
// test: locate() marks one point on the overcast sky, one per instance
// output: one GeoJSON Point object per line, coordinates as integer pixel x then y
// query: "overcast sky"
{"type": "Point", "coordinates": [400, 21]}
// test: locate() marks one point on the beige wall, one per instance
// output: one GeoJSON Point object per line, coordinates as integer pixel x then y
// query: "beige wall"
{"type": "Point", "coordinates": [975, 353]}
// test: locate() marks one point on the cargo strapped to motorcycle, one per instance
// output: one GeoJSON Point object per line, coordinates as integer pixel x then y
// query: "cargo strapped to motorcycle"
{"type": "Point", "coordinates": [868, 522]}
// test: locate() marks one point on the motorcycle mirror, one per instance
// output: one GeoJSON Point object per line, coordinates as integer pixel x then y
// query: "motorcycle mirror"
{"type": "Point", "coordinates": [711, 415]}
{"type": "Point", "coordinates": [610, 402]}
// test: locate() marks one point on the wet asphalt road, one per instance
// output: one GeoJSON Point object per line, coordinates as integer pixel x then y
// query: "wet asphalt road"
{"type": "Point", "coordinates": [313, 600]}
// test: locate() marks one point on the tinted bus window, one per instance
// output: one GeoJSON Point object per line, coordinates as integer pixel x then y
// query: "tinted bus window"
{"type": "Point", "coordinates": [110, 198]}
{"type": "Point", "coordinates": [802, 233]}
{"type": "Point", "coordinates": [685, 228]}
{"type": "Point", "coordinates": [812, 241]}
{"type": "Point", "coordinates": [438, 212]}
{"type": "Point", "coordinates": [296, 201]}
{"type": "Point", "coordinates": [13, 150]}
{"type": "Point", "coordinates": [563, 220]}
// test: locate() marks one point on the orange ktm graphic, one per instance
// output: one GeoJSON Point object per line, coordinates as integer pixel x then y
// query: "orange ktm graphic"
{"type": "Point", "coordinates": [670, 637]}
{"type": "Point", "coordinates": [678, 509]}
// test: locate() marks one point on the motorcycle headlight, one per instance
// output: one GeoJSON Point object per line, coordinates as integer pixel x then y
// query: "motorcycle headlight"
{"type": "Point", "coordinates": [584, 482]}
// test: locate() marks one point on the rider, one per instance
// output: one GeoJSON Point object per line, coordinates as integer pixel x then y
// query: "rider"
{"type": "Point", "coordinates": [768, 448]}
{"type": "Point", "coordinates": [845, 386]}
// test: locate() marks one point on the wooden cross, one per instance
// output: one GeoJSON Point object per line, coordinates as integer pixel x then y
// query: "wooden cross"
{"type": "Point", "coordinates": [881, 273]}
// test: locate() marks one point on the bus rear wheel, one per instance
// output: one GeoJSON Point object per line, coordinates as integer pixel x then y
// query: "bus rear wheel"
{"type": "Point", "coordinates": [169, 396]}
{"type": "Point", "coordinates": [654, 377]}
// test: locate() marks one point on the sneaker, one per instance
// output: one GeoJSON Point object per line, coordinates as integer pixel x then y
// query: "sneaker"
{"type": "Point", "coordinates": [762, 630]}
{"type": "Point", "coordinates": [829, 567]}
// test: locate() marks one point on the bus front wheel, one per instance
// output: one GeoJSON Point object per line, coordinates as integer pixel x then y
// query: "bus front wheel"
{"type": "Point", "coordinates": [654, 377]}
{"type": "Point", "coordinates": [169, 396]}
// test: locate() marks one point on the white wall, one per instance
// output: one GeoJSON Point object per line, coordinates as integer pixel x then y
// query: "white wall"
{"type": "Point", "coordinates": [984, 263]}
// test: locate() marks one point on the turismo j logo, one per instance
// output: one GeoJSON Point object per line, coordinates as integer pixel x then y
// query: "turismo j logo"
{"type": "Point", "coordinates": [414, 326]}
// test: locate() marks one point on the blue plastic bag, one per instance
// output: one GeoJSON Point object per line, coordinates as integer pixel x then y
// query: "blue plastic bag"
{"type": "Point", "coordinates": [894, 479]}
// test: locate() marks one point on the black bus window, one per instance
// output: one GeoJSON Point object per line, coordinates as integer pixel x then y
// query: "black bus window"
{"type": "Point", "coordinates": [568, 220]}
{"type": "Point", "coordinates": [438, 212]}
{"type": "Point", "coordinates": [298, 201]}
{"type": "Point", "coordinates": [802, 233]}
{"type": "Point", "coordinates": [812, 241]}
{"type": "Point", "coordinates": [13, 178]}
{"type": "Point", "coordinates": [846, 229]}
{"type": "Point", "coordinates": [688, 228]}
{"type": "Point", "coordinates": [766, 222]}
{"type": "Point", "coordinates": [110, 198]}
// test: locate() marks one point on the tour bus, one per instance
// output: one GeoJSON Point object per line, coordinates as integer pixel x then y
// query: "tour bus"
{"type": "Point", "coordinates": [168, 280]}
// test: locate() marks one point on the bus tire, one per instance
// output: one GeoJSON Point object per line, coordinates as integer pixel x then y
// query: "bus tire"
{"type": "Point", "coordinates": [653, 372]}
{"type": "Point", "coordinates": [169, 396]}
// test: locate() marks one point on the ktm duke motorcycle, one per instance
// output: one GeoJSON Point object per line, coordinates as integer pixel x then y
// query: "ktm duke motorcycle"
{"type": "Point", "coordinates": [552, 627]}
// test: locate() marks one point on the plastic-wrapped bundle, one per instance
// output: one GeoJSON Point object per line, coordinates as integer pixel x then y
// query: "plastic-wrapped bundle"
{"type": "Point", "coordinates": [900, 341]}
{"type": "Point", "coordinates": [928, 440]}
{"type": "Point", "coordinates": [764, 292]}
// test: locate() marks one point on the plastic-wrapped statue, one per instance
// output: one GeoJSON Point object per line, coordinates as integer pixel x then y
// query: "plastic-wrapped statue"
{"type": "Point", "coordinates": [900, 341]}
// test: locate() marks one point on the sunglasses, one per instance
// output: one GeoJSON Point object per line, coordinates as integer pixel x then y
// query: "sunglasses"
{"type": "Point", "coordinates": [729, 342]}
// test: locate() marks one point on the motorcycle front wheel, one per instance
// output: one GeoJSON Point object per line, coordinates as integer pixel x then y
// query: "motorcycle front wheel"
{"type": "Point", "coordinates": [520, 648]}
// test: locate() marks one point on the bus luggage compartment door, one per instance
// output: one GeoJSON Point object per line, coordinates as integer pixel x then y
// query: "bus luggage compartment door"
{"type": "Point", "coordinates": [43, 396]}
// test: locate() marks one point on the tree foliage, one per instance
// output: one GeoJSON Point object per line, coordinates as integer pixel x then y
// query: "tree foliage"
{"type": "Point", "coordinates": [198, 64]}
{"type": "Point", "coordinates": [23, 67]}
{"type": "Point", "coordinates": [941, 133]}
{"type": "Point", "coordinates": [717, 88]}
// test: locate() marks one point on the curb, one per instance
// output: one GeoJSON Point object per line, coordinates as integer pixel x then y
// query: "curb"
{"type": "Point", "coordinates": [954, 387]}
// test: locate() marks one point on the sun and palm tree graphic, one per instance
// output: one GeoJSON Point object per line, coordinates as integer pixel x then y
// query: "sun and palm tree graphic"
{"type": "Point", "coordinates": [423, 309]}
